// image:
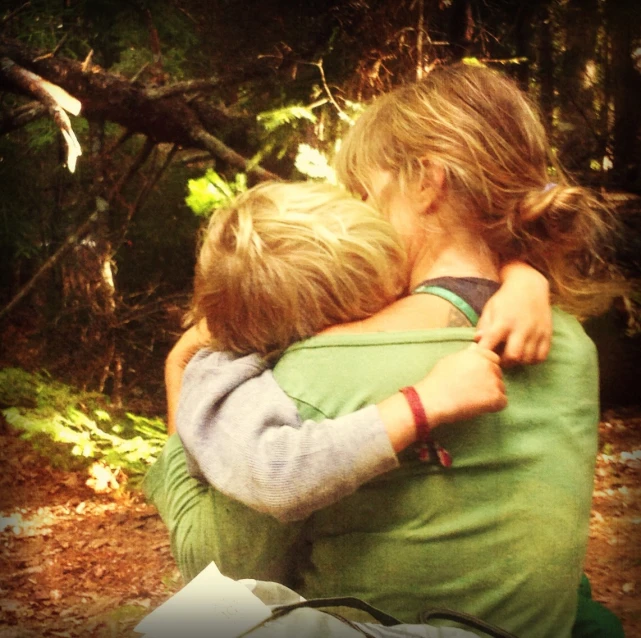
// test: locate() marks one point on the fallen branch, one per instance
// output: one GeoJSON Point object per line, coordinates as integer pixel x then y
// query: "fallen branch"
{"type": "Point", "coordinates": [55, 99]}
{"type": "Point", "coordinates": [164, 117]}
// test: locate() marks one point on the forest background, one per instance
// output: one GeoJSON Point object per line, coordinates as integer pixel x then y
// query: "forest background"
{"type": "Point", "coordinates": [176, 105]}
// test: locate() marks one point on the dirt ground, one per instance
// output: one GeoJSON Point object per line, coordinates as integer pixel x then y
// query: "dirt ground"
{"type": "Point", "coordinates": [75, 563]}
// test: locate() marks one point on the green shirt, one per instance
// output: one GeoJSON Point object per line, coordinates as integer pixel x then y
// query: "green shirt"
{"type": "Point", "coordinates": [502, 534]}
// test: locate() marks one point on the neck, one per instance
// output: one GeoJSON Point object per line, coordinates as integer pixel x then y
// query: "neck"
{"type": "Point", "coordinates": [444, 253]}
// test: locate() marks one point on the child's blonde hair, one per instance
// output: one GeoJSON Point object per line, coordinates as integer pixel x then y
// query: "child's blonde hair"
{"type": "Point", "coordinates": [286, 260]}
{"type": "Point", "coordinates": [482, 130]}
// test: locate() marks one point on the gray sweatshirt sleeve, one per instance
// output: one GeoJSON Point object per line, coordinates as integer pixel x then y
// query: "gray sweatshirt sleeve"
{"type": "Point", "coordinates": [243, 435]}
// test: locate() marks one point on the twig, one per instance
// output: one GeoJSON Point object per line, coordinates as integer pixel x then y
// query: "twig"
{"type": "Point", "coordinates": [15, 12]}
{"type": "Point", "coordinates": [140, 159]}
{"type": "Point", "coordinates": [54, 98]}
{"type": "Point", "coordinates": [196, 157]}
{"type": "Point", "coordinates": [419, 41]}
{"type": "Point", "coordinates": [87, 61]}
{"type": "Point", "coordinates": [341, 114]}
{"type": "Point", "coordinates": [206, 140]}
{"type": "Point", "coordinates": [21, 116]}
{"type": "Point", "coordinates": [145, 190]}
{"type": "Point", "coordinates": [64, 248]}
{"type": "Point", "coordinates": [189, 86]}
{"type": "Point", "coordinates": [51, 54]}
{"type": "Point", "coordinates": [138, 73]}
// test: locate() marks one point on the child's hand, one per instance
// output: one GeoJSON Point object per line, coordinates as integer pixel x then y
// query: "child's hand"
{"type": "Point", "coordinates": [463, 385]}
{"type": "Point", "coordinates": [519, 316]}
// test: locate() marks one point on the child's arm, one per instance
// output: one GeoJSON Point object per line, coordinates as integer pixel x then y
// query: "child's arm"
{"type": "Point", "coordinates": [519, 316]}
{"type": "Point", "coordinates": [245, 435]}
{"type": "Point", "coordinates": [186, 347]}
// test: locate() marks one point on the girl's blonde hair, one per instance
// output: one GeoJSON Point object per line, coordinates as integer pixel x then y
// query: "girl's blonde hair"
{"type": "Point", "coordinates": [286, 260]}
{"type": "Point", "coordinates": [488, 138]}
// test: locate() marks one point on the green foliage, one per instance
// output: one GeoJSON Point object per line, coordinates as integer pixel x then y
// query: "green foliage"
{"type": "Point", "coordinates": [212, 191]}
{"type": "Point", "coordinates": [274, 119]}
{"type": "Point", "coordinates": [75, 428]}
{"type": "Point", "coordinates": [284, 128]}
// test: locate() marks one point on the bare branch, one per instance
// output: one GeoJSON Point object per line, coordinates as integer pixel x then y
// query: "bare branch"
{"type": "Point", "coordinates": [419, 41]}
{"type": "Point", "coordinates": [64, 248]}
{"type": "Point", "coordinates": [138, 162]}
{"type": "Point", "coordinates": [219, 149]}
{"type": "Point", "coordinates": [341, 114]}
{"type": "Point", "coordinates": [147, 188]}
{"type": "Point", "coordinates": [55, 99]}
{"type": "Point", "coordinates": [15, 12]}
{"type": "Point", "coordinates": [56, 49]}
{"type": "Point", "coordinates": [21, 116]}
{"type": "Point", "coordinates": [139, 72]}
{"type": "Point", "coordinates": [110, 97]}
{"type": "Point", "coordinates": [189, 86]}
{"type": "Point", "coordinates": [196, 157]}
{"type": "Point", "coordinates": [87, 61]}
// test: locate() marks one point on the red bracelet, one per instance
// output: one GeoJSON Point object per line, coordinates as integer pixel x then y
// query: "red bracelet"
{"type": "Point", "coordinates": [418, 412]}
{"type": "Point", "coordinates": [428, 449]}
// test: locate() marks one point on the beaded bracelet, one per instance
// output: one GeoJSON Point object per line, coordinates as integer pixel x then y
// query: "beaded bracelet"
{"type": "Point", "coordinates": [428, 449]}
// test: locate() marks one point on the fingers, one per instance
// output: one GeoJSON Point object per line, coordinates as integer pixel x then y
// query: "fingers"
{"type": "Point", "coordinates": [492, 378]}
{"type": "Point", "coordinates": [520, 348]}
{"type": "Point", "coordinates": [544, 349]}
{"type": "Point", "coordinates": [490, 334]}
{"type": "Point", "coordinates": [521, 351]}
{"type": "Point", "coordinates": [486, 353]}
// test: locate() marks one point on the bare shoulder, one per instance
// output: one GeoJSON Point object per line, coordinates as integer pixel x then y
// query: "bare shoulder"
{"type": "Point", "coordinates": [415, 312]}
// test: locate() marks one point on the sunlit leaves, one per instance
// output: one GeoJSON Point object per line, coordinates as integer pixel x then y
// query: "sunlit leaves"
{"type": "Point", "coordinates": [64, 423]}
{"type": "Point", "coordinates": [271, 120]}
{"type": "Point", "coordinates": [211, 191]}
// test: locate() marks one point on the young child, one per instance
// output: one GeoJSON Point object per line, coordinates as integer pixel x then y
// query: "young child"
{"type": "Point", "coordinates": [283, 262]}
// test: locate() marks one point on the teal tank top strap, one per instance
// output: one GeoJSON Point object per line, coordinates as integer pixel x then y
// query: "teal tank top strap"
{"type": "Point", "coordinates": [458, 302]}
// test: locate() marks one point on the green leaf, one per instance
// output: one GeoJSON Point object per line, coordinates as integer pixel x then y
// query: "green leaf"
{"type": "Point", "coordinates": [271, 120]}
{"type": "Point", "coordinates": [211, 191]}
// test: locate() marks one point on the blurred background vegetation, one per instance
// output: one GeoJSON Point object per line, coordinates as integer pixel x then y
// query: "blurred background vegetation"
{"type": "Point", "coordinates": [112, 245]}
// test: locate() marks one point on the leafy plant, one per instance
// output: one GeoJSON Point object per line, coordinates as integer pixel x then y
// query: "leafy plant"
{"type": "Point", "coordinates": [274, 119]}
{"type": "Point", "coordinates": [211, 191]}
{"type": "Point", "coordinates": [75, 429]}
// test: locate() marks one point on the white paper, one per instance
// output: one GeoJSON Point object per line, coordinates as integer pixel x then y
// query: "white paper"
{"type": "Point", "coordinates": [211, 605]}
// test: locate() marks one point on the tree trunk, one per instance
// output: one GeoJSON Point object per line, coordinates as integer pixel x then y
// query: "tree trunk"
{"type": "Point", "coordinates": [624, 29]}
{"type": "Point", "coordinates": [546, 68]}
{"type": "Point", "coordinates": [578, 122]}
{"type": "Point", "coordinates": [524, 33]}
{"type": "Point", "coordinates": [461, 28]}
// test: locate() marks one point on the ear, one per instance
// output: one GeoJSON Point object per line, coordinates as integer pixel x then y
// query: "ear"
{"type": "Point", "coordinates": [432, 186]}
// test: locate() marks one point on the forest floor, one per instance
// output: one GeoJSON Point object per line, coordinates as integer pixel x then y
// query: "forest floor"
{"type": "Point", "coordinates": [74, 563]}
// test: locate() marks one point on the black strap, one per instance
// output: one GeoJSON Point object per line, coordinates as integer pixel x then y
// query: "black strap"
{"type": "Point", "coordinates": [467, 620]}
{"type": "Point", "coordinates": [386, 619]}
{"type": "Point", "coordinates": [343, 601]}
{"type": "Point", "coordinates": [456, 300]}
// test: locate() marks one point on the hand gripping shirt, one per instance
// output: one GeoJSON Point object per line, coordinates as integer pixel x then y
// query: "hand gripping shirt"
{"type": "Point", "coordinates": [501, 534]}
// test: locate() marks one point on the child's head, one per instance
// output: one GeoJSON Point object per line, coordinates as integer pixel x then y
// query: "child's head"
{"type": "Point", "coordinates": [485, 137]}
{"type": "Point", "coordinates": [286, 260]}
